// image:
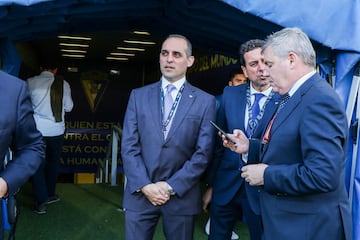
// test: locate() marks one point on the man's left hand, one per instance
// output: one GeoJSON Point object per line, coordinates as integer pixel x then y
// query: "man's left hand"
{"type": "Point", "coordinates": [254, 173]}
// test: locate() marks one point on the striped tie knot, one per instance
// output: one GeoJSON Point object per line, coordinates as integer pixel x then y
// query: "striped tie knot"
{"type": "Point", "coordinates": [283, 101]}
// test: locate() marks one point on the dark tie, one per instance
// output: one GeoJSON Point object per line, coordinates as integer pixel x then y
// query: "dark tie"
{"type": "Point", "coordinates": [168, 101]}
{"type": "Point", "coordinates": [255, 110]}
{"type": "Point", "coordinates": [283, 101]}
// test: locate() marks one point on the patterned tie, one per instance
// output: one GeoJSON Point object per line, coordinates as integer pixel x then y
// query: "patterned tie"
{"type": "Point", "coordinates": [255, 110]}
{"type": "Point", "coordinates": [168, 100]}
{"type": "Point", "coordinates": [283, 101]}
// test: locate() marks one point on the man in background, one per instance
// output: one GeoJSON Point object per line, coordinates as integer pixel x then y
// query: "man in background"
{"type": "Point", "coordinates": [236, 77]}
{"type": "Point", "coordinates": [51, 98]}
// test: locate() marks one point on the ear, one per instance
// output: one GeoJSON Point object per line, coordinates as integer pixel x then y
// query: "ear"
{"type": "Point", "coordinates": [190, 61]}
{"type": "Point", "coordinates": [292, 58]}
{"type": "Point", "coordinates": [244, 71]}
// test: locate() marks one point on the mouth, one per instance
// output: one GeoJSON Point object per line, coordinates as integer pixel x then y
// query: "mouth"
{"type": "Point", "coordinates": [262, 77]}
{"type": "Point", "coordinates": [168, 68]}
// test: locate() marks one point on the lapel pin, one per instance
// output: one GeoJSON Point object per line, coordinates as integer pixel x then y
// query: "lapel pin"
{"type": "Point", "coordinates": [190, 96]}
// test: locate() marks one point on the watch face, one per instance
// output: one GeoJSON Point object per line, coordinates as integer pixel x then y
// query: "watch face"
{"type": "Point", "coordinates": [171, 192]}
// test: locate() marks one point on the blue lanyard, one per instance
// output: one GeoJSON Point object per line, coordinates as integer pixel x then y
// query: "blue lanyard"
{"type": "Point", "coordinates": [173, 107]}
{"type": "Point", "coordinates": [253, 125]}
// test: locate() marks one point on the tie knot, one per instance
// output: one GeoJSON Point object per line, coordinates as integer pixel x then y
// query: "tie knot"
{"type": "Point", "coordinates": [285, 97]}
{"type": "Point", "coordinates": [170, 88]}
{"type": "Point", "coordinates": [258, 96]}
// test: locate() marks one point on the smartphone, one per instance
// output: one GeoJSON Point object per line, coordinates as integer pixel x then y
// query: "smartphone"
{"type": "Point", "coordinates": [222, 132]}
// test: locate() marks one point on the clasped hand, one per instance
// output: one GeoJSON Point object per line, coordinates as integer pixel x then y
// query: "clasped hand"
{"type": "Point", "coordinates": [157, 193]}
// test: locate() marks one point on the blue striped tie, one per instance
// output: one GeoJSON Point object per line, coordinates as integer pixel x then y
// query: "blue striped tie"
{"type": "Point", "coordinates": [255, 110]}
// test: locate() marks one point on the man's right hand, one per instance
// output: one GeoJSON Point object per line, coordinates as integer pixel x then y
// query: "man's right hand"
{"type": "Point", "coordinates": [207, 199]}
{"type": "Point", "coordinates": [241, 144]}
{"type": "Point", "coordinates": [155, 194]}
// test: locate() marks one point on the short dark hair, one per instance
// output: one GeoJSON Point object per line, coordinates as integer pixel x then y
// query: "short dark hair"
{"type": "Point", "coordinates": [234, 72]}
{"type": "Point", "coordinates": [188, 43]}
{"type": "Point", "coordinates": [249, 46]}
{"type": "Point", "coordinates": [49, 63]}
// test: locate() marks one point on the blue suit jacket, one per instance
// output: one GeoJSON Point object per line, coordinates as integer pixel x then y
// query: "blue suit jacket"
{"type": "Point", "coordinates": [18, 132]}
{"type": "Point", "coordinates": [304, 195]}
{"type": "Point", "coordinates": [224, 173]}
{"type": "Point", "coordinates": [180, 159]}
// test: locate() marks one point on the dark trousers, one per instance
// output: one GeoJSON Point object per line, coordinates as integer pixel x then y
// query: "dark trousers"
{"type": "Point", "coordinates": [45, 178]}
{"type": "Point", "coordinates": [223, 218]}
{"type": "Point", "coordinates": [142, 225]}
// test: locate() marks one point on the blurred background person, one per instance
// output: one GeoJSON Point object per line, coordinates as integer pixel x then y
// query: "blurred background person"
{"type": "Point", "coordinates": [51, 98]}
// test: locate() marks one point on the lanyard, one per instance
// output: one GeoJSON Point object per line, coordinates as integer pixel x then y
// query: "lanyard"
{"type": "Point", "coordinates": [261, 113]}
{"type": "Point", "coordinates": [173, 107]}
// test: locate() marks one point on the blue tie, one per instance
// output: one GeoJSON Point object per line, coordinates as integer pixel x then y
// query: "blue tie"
{"type": "Point", "coordinates": [168, 100]}
{"type": "Point", "coordinates": [255, 110]}
{"type": "Point", "coordinates": [168, 103]}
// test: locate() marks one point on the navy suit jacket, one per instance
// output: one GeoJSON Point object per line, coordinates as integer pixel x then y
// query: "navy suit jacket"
{"type": "Point", "coordinates": [304, 195]}
{"type": "Point", "coordinates": [180, 159]}
{"type": "Point", "coordinates": [18, 132]}
{"type": "Point", "coordinates": [224, 173]}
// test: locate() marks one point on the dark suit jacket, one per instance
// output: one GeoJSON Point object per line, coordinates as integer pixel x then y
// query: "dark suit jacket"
{"type": "Point", "coordinates": [224, 173]}
{"type": "Point", "coordinates": [18, 132]}
{"type": "Point", "coordinates": [180, 159]}
{"type": "Point", "coordinates": [304, 195]}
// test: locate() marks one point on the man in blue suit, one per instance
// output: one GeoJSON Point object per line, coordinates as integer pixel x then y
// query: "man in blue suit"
{"type": "Point", "coordinates": [164, 154]}
{"type": "Point", "coordinates": [19, 134]}
{"type": "Point", "coordinates": [228, 192]}
{"type": "Point", "coordinates": [301, 174]}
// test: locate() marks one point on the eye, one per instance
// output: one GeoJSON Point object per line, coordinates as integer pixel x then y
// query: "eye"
{"type": "Point", "coordinates": [268, 64]}
{"type": "Point", "coordinates": [177, 54]}
{"type": "Point", "coordinates": [164, 53]}
{"type": "Point", "coordinates": [253, 64]}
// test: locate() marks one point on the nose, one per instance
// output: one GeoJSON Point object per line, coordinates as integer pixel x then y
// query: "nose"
{"type": "Point", "coordinates": [262, 66]}
{"type": "Point", "coordinates": [265, 72]}
{"type": "Point", "coordinates": [169, 58]}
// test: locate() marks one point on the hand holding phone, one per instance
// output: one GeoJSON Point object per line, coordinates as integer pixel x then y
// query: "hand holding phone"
{"type": "Point", "coordinates": [222, 132]}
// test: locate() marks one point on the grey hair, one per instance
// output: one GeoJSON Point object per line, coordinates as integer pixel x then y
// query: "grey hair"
{"type": "Point", "coordinates": [188, 50]}
{"type": "Point", "coordinates": [291, 40]}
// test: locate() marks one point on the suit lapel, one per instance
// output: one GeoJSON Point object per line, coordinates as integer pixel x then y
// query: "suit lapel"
{"type": "Point", "coordinates": [270, 109]}
{"type": "Point", "coordinates": [240, 108]}
{"type": "Point", "coordinates": [187, 99]}
{"type": "Point", "coordinates": [154, 104]}
{"type": "Point", "coordinates": [292, 103]}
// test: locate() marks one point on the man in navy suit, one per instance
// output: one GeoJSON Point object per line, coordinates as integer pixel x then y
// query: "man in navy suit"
{"type": "Point", "coordinates": [302, 152]}
{"type": "Point", "coordinates": [19, 134]}
{"type": "Point", "coordinates": [164, 155]}
{"type": "Point", "coordinates": [228, 193]}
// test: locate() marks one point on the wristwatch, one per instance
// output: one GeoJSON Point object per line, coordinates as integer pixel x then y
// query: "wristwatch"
{"type": "Point", "coordinates": [171, 191]}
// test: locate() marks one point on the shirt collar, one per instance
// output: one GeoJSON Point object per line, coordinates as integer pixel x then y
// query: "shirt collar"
{"type": "Point", "coordinates": [266, 92]}
{"type": "Point", "coordinates": [300, 82]}
{"type": "Point", "coordinates": [177, 84]}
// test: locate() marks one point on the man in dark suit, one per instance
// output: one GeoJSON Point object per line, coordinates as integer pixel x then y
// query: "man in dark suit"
{"type": "Point", "coordinates": [301, 173]}
{"type": "Point", "coordinates": [164, 154]}
{"type": "Point", "coordinates": [19, 134]}
{"type": "Point", "coordinates": [228, 192]}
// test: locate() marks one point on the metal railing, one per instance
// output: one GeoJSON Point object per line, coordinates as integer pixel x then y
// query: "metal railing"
{"type": "Point", "coordinates": [111, 159]}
